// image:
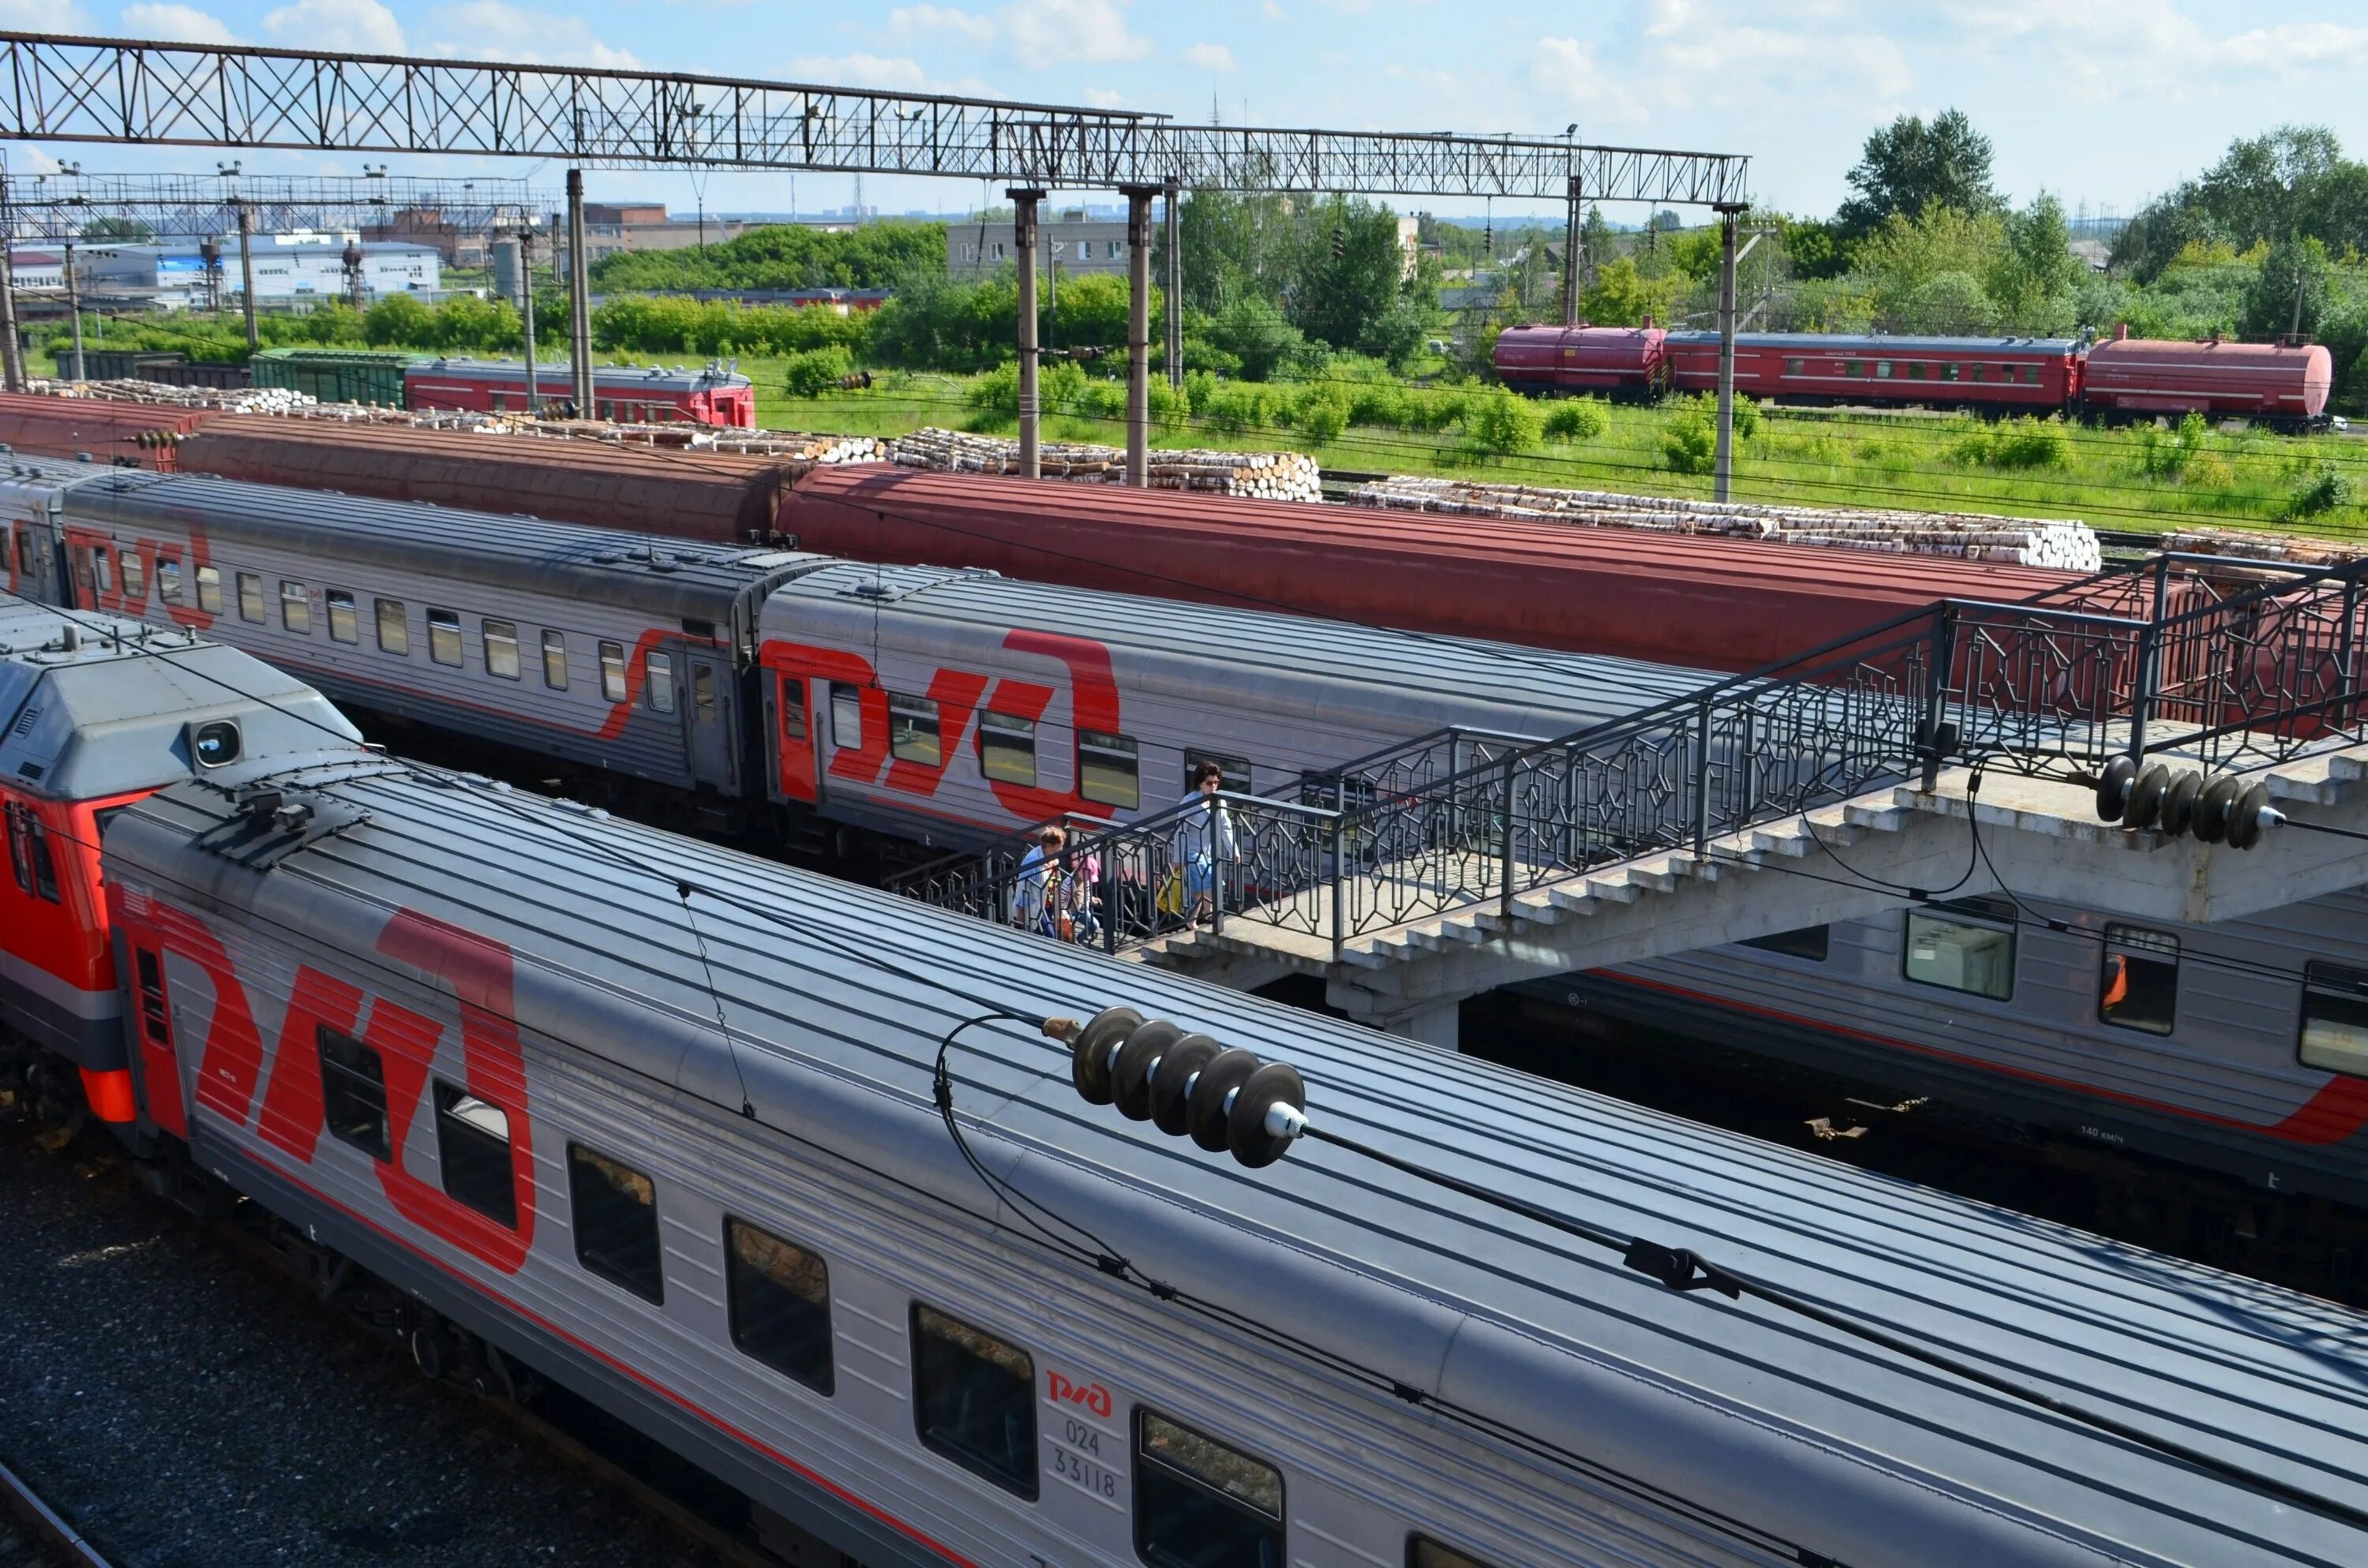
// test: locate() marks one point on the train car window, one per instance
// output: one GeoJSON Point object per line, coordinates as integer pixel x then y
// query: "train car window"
{"type": "Point", "coordinates": [913, 731]}
{"type": "Point", "coordinates": [79, 559]}
{"type": "Point", "coordinates": [1811, 942]}
{"type": "Point", "coordinates": [793, 709]}
{"type": "Point", "coordinates": [2334, 1019]}
{"type": "Point", "coordinates": [296, 606]}
{"type": "Point", "coordinates": [612, 671]}
{"type": "Point", "coordinates": [444, 636]}
{"type": "Point", "coordinates": [607, 409]}
{"type": "Point", "coordinates": [394, 628]}
{"type": "Point", "coordinates": [846, 716]}
{"type": "Point", "coordinates": [2138, 987]}
{"type": "Point", "coordinates": [168, 581]}
{"type": "Point", "coordinates": [1949, 371]}
{"type": "Point", "coordinates": [1233, 772]}
{"type": "Point", "coordinates": [25, 550]}
{"type": "Point", "coordinates": [554, 660]}
{"type": "Point", "coordinates": [501, 648]}
{"type": "Point", "coordinates": [1855, 366]}
{"type": "Point", "coordinates": [28, 855]}
{"type": "Point", "coordinates": [135, 577]}
{"type": "Point", "coordinates": [155, 1017]}
{"type": "Point", "coordinates": [472, 1148]}
{"type": "Point", "coordinates": [615, 1211]}
{"type": "Point", "coordinates": [1106, 770]}
{"type": "Point", "coordinates": [1007, 749]}
{"type": "Point", "coordinates": [1199, 1504]}
{"type": "Point", "coordinates": [344, 625]}
{"type": "Point", "coordinates": [1915, 371]}
{"type": "Point", "coordinates": [703, 693]}
{"type": "Point", "coordinates": [2031, 375]}
{"type": "Point", "coordinates": [974, 1400]}
{"type": "Point", "coordinates": [658, 680]}
{"type": "Point", "coordinates": [353, 1094]}
{"type": "Point", "coordinates": [1796, 367]}
{"type": "Point", "coordinates": [1423, 1552]}
{"type": "Point", "coordinates": [780, 1305]}
{"type": "Point", "coordinates": [210, 597]}
{"type": "Point", "coordinates": [1883, 369]}
{"type": "Point", "coordinates": [1964, 944]}
{"type": "Point", "coordinates": [1973, 373]}
{"type": "Point", "coordinates": [250, 597]}
{"type": "Point", "coordinates": [103, 570]}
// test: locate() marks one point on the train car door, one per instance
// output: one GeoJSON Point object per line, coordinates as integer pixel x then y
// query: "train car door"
{"type": "Point", "coordinates": [800, 758]}
{"type": "Point", "coordinates": [713, 718]}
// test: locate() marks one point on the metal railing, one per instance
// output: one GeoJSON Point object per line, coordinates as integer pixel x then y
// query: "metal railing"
{"type": "Point", "coordinates": [2241, 668]}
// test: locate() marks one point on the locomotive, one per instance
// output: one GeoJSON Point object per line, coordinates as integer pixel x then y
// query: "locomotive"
{"type": "Point", "coordinates": [2282, 385]}
{"type": "Point", "coordinates": [739, 1154]}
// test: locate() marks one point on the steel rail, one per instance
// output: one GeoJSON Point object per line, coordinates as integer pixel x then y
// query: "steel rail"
{"type": "Point", "coordinates": [52, 1524]}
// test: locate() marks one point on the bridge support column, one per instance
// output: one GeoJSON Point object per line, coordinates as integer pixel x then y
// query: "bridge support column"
{"type": "Point", "coordinates": [579, 300]}
{"type": "Point", "coordinates": [1023, 238]}
{"type": "Point", "coordinates": [1138, 333]}
{"type": "Point", "coordinates": [1730, 217]}
{"type": "Point", "coordinates": [1428, 1023]}
{"type": "Point", "coordinates": [247, 273]}
{"type": "Point", "coordinates": [1175, 287]}
{"type": "Point", "coordinates": [1574, 226]}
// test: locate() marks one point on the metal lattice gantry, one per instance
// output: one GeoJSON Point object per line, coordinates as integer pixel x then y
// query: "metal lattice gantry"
{"type": "Point", "coordinates": [71, 89]}
{"type": "Point", "coordinates": [55, 208]}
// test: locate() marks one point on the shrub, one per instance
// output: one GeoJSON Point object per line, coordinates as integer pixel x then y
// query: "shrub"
{"type": "Point", "coordinates": [2319, 492]}
{"type": "Point", "coordinates": [1382, 405]}
{"type": "Point", "coordinates": [1690, 445]}
{"type": "Point", "coordinates": [997, 391]}
{"type": "Point", "coordinates": [1577, 419]}
{"type": "Point", "coordinates": [1321, 414]}
{"type": "Point", "coordinates": [1234, 407]}
{"type": "Point", "coordinates": [2022, 443]}
{"type": "Point", "coordinates": [2162, 456]}
{"type": "Point", "coordinates": [1498, 423]}
{"type": "Point", "coordinates": [817, 371]}
{"type": "Point", "coordinates": [2208, 471]}
{"type": "Point", "coordinates": [1200, 386]}
{"type": "Point", "coordinates": [1099, 400]}
{"type": "Point", "coordinates": [1436, 410]}
{"type": "Point", "coordinates": [1060, 386]}
{"type": "Point", "coordinates": [1169, 406]}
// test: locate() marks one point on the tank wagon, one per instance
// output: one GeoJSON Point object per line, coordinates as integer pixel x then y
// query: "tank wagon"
{"type": "Point", "coordinates": [2282, 385]}
{"type": "Point", "coordinates": [467, 1040]}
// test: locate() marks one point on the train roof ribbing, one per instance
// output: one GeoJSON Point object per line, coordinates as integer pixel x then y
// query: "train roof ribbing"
{"type": "Point", "coordinates": [1486, 1312]}
{"type": "Point", "coordinates": [1882, 343]}
{"type": "Point", "coordinates": [554, 373]}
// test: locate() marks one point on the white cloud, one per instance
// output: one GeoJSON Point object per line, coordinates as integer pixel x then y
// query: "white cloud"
{"type": "Point", "coordinates": [2109, 50]}
{"type": "Point", "coordinates": [175, 24]}
{"type": "Point", "coordinates": [355, 27]}
{"type": "Point", "coordinates": [491, 30]}
{"type": "Point", "coordinates": [1102, 97]}
{"type": "Point", "coordinates": [894, 73]}
{"type": "Point", "coordinates": [1274, 13]}
{"type": "Point", "coordinates": [939, 23]}
{"type": "Point", "coordinates": [1064, 33]}
{"type": "Point", "coordinates": [1210, 57]}
{"type": "Point", "coordinates": [1567, 72]}
{"type": "Point", "coordinates": [47, 16]}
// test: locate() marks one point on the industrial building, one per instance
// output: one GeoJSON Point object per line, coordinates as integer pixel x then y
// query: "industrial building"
{"type": "Point", "coordinates": [305, 265]}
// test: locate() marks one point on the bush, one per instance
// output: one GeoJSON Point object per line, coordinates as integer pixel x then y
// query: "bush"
{"type": "Point", "coordinates": [2022, 443]}
{"type": "Point", "coordinates": [1383, 405]}
{"type": "Point", "coordinates": [1577, 419]}
{"type": "Point", "coordinates": [2318, 493]}
{"type": "Point", "coordinates": [817, 371]}
{"type": "Point", "coordinates": [1234, 408]}
{"type": "Point", "coordinates": [1321, 414]}
{"type": "Point", "coordinates": [2167, 456]}
{"type": "Point", "coordinates": [1171, 406]}
{"type": "Point", "coordinates": [997, 391]}
{"type": "Point", "coordinates": [1436, 410]}
{"type": "Point", "coordinates": [1691, 443]}
{"type": "Point", "coordinates": [1099, 400]}
{"type": "Point", "coordinates": [1499, 423]}
{"type": "Point", "coordinates": [1059, 387]}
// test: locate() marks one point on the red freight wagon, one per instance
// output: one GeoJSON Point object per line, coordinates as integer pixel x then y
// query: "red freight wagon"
{"type": "Point", "coordinates": [2276, 383]}
{"type": "Point", "coordinates": [1670, 598]}
{"type": "Point", "coordinates": [138, 435]}
{"type": "Point", "coordinates": [2022, 374]}
{"type": "Point", "coordinates": [628, 395]}
{"type": "Point", "coordinates": [1616, 361]}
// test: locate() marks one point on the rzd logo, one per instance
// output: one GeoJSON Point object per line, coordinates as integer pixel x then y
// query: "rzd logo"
{"type": "Point", "coordinates": [1084, 1396]}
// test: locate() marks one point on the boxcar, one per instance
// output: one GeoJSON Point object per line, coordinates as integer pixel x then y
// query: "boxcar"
{"type": "Point", "coordinates": [337, 375]}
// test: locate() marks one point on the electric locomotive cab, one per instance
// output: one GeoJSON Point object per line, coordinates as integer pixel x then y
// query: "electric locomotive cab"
{"type": "Point", "coordinates": [97, 711]}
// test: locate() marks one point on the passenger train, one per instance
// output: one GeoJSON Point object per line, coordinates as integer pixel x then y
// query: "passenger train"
{"type": "Point", "coordinates": [711, 687]}
{"type": "Point", "coordinates": [694, 1135]}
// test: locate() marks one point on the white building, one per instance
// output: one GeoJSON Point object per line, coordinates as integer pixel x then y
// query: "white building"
{"type": "Point", "coordinates": [40, 269]}
{"type": "Point", "coordinates": [305, 265]}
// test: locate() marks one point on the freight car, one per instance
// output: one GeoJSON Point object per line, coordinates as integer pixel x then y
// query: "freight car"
{"type": "Point", "coordinates": [370, 377]}
{"type": "Point", "coordinates": [172, 370]}
{"type": "Point", "coordinates": [477, 1045]}
{"type": "Point", "coordinates": [132, 435]}
{"type": "Point", "coordinates": [628, 395]}
{"type": "Point", "coordinates": [2283, 386]}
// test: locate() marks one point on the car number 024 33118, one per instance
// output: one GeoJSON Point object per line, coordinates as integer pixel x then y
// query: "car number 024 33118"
{"type": "Point", "coordinates": [1074, 1458]}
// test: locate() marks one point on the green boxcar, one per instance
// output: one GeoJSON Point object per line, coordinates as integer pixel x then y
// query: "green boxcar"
{"type": "Point", "coordinates": [337, 375]}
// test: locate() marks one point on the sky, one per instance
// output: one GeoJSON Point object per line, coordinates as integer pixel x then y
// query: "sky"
{"type": "Point", "coordinates": [2102, 102]}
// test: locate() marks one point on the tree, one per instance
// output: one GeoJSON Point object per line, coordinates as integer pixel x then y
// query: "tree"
{"type": "Point", "coordinates": [2293, 182]}
{"type": "Point", "coordinates": [1255, 333]}
{"type": "Point", "coordinates": [2289, 293]}
{"type": "Point", "coordinates": [1597, 244]}
{"type": "Point", "coordinates": [1348, 272]}
{"type": "Point", "coordinates": [1621, 296]}
{"type": "Point", "coordinates": [1909, 165]}
{"type": "Point", "coordinates": [118, 230]}
{"type": "Point", "coordinates": [2031, 277]}
{"type": "Point", "coordinates": [1905, 254]}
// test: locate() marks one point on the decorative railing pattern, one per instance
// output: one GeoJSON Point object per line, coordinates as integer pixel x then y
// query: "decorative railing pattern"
{"type": "Point", "coordinates": [2226, 674]}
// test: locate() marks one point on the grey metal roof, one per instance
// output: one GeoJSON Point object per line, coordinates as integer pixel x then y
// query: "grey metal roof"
{"type": "Point", "coordinates": [549, 372]}
{"type": "Point", "coordinates": [1567, 686]}
{"type": "Point", "coordinates": [1880, 342]}
{"type": "Point", "coordinates": [831, 992]}
{"type": "Point", "coordinates": [112, 712]}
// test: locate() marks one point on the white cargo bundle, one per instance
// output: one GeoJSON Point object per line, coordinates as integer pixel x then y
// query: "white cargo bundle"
{"type": "Point", "coordinates": [1272, 476]}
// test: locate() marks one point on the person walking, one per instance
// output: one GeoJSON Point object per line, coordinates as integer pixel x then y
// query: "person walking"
{"type": "Point", "coordinates": [1204, 839]}
{"type": "Point", "coordinates": [1037, 895]}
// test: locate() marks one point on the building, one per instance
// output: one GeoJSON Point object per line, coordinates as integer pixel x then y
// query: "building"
{"type": "Point", "coordinates": [458, 244]}
{"type": "Point", "coordinates": [289, 268]}
{"type": "Point", "coordinates": [38, 270]}
{"type": "Point", "coordinates": [1076, 245]}
{"type": "Point", "coordinates": [610, 227]}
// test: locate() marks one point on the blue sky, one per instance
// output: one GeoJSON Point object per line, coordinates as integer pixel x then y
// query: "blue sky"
{"type": "Point", "coordinates": [2103, 101]}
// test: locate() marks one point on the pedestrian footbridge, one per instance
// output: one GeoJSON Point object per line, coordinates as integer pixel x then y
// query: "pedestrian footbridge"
{"type": "Point", "coordinates": [1968, 749]}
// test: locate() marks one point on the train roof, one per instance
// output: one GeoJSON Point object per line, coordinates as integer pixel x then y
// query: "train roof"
{"type": "Point", "coordinates": [554, 373]}
{"type": "Point", "coordinates": [663, 576]}
{"type": "Point", "coordinates": [1853, 1451]}
{"type": "Point", "coordinates": [1883, 343]}
{"type": "Point", "coordinates": [1199, 643]}
{"type": "Point", "coordinates": [93, 706]}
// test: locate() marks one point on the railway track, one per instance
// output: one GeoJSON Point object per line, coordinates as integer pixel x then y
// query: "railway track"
{"type": "Point", "coordinates": [67, 1544]}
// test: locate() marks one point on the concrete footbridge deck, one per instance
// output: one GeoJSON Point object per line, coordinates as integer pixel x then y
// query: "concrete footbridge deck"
{"type": "Point", "coordinates": [2203, 760]}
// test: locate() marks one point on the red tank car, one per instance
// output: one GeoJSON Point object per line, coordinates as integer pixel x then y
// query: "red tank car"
{"type": "Point", "coordinates": [1610, 362]}
{"type": "Point", "coordinates": [626, 394]}
{"type": "Point", "coordinates": [97, 711]}
{"type": "Point", "coordinates": [2282, 385]}
{"type": "Point", "coordinates": [2021, 375]}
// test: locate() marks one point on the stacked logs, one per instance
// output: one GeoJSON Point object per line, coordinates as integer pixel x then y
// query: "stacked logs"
{"type": "Point", "coordinates": [1269, 476]}
{"type": "Point", "coordinates": [228, 400]}
{"type": "Point", "coordinates": [2283, 548]}
{"type": "Point", "coordinates": [2063, 544]}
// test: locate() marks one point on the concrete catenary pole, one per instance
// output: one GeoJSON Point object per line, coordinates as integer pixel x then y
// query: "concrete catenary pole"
{"type": "Point", "coordinates": [579, 298]}
{"type": "Point", "coordinates": [1023, 236]}
{"type": "Point", "coordinates": [74, 312]}
{"type": "Point", "coordinates": [1573, 228]}
{"type": "Point", "coordinates": [1730, 217]}
{"type": "Point", "coordinates": [1175, 286]}
{"type": "Point", "coordinates": [246, 272]}
{"type": "Point", "coordinates": [1138, 333]}
{"type": "Point", "coordinates": [12, 359]}
{"type": "Point", "coordinates": [526, 316]}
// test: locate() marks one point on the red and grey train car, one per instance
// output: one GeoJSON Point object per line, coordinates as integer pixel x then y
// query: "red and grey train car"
{"type": "Point", "coordinates": [2282, 385]}
{"type": "Point", "coordinates": [626, 394]}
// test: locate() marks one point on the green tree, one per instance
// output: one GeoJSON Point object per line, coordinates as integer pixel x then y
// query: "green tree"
{"type": "Point", "coordinates": [118, 230]}
{"type": "Point", "coordinates": [1908, 166]}
{"type": "Point", "coordinates": [2290, 291]}
{"type": "Point", "coordinates": [1905, 254]}
{"type": "Point", "coordinates": [2032, 276]}
{"type": "Point", "coordinates": [396, 322]}
{"type": "Point", "coordinates": [2293, 181]}
{"type": "Point", "coordinates": [1621, 296]}
{"type": "Point", "coordinates": [1256, 334]}
{"type": "Point", "coordinates": [788, 255]}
